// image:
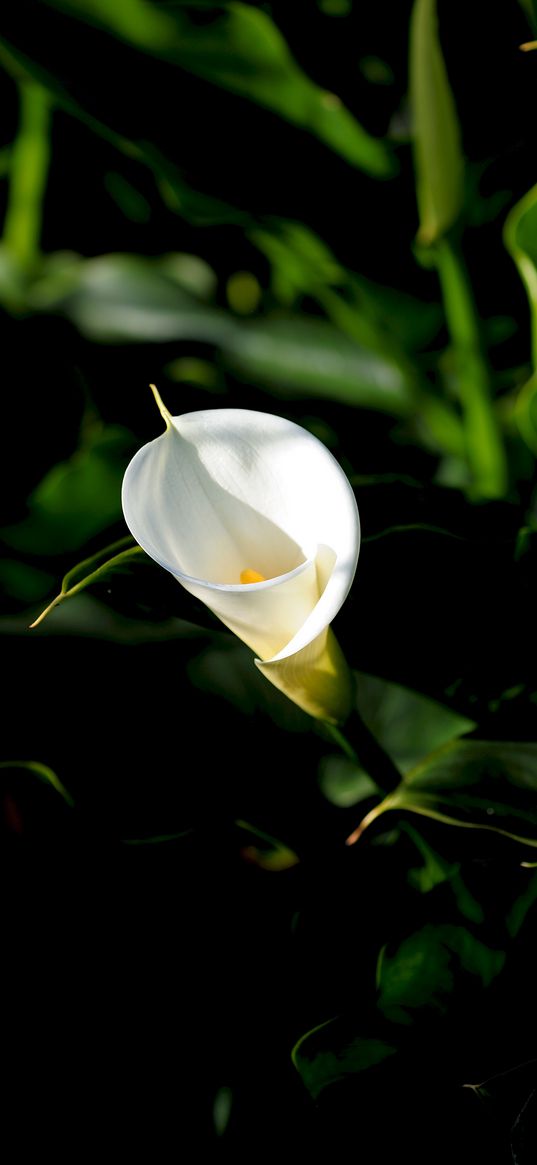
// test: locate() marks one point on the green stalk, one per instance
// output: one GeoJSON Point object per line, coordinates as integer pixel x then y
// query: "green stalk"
{"type": "Point", "coordinates": [28, 176]}
{"type": "Point", "coordinates": [484, 445]}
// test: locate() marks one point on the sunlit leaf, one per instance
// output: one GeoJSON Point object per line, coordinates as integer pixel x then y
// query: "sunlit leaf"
{"type": "Point", "coordinates": [330, 1053]}
{"type": "Point", "coordinates": [437, 147]}
{"type": "Point", "coordinates": [127, 299]}
{"type": "Point", "coordinates": [94, 569]}
{"type": "Point", "coordinates": [239, 48]}
{"type": "Point", "coordinates": [405, 723]}
{"type": "Point", "coordinates": [301, 357]}
{"type": "Point", "coordinates": [482, 785]}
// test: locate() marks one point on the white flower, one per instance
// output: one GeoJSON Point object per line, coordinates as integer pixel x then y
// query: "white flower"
{"type": "Point", "coordinates": [253, 515]}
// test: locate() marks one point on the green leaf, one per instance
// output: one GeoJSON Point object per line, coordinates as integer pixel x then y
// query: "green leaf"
{"type": "Point", "coordinates": [239, 48]}
{"type": "Point", "coordinates": [520, 236]}
{"type": "Point", "coordinates": [77, 499]}
{"type": "Point", "coordinates": [343, 782]}
{"type": "Point", "coordinates": [530, 7]}
{"type": "Point", "coordinates": [482, 785]}
{"type": "Point", "coordinates": [437, 148]}
{"type": "Point", "coordinates": [406, 724]}
{"type": "Point", "coordinates": [329, 1053]}
{"type": "Point", "coordinates": [299, 357]}
{"type": "Point", "coordinates": [436, 870]}
{"type": "Point", "coordinates": [423, 971]}
{"type": "Point", "coordinates": [127, 299]}
{"type": "Point", "coordinates": [94, 569]}
{"type": "Point", "coordinates": [44, 774]}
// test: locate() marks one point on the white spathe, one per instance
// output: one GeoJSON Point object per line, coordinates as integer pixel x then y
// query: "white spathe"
{"type": "Point", "coordinates": [228, 490]}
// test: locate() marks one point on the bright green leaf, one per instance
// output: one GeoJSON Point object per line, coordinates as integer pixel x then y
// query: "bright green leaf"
{"type": "Point", "coordinates": [520, 235]}
{"type": "Point", "coordinates": [127, 299]}
{"type": "Point", "coordinates": [301, 357]}
{"type": "Point", "coordinates": [239, 48]}
{"type": "Point", "coordinates": [437, 148]}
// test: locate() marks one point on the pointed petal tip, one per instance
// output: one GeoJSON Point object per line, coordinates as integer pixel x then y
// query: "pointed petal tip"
{"type": "Point", "coordinates": [165, 414]}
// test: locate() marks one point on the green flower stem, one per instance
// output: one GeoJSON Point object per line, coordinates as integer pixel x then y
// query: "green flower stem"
{"type": "Point", "coordinates": [28, 176]}
{"type": "Point", "coordinates": [485, 450]}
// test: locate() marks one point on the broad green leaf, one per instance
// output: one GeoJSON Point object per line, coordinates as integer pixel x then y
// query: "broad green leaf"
{"type": "Point", "coordinates": [483, 785]}
{"type": "Point", "coordinates": [77, 498]}
{"type": "Point", "coordinates": [330, 1053]}
{"type": "Point", "coordinates": [301, 357]}
{"type": "Point", "coordinates": [239, 48]}
{"type": "Point", "coordinates": [423, 971]}
{"type": "Point", "coordinates": [127, 299]}
{"type": "Point", "coordinates": [94, 569]}
{"type": "Point", "coordinates": [520, 235]}
{"type": "Point", "coordinates": [43, 773]}
{"type": "Point", "coordinates": [406, 724]}
{"type": "Point", "coordinates": [437, 148]}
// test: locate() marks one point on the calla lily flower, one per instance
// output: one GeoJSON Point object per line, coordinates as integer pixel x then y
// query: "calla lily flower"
{"type": "Point", "coordinates": [254, 516]}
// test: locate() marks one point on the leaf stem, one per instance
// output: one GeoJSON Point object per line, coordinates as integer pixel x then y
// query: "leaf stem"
{"type": "Point", "coordinates": [29, 166]}
{"type": "Point", "coordinates": [485, 451]}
